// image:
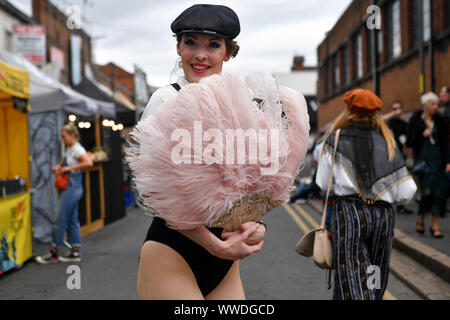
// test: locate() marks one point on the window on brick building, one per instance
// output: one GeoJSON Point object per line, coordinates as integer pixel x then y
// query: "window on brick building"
{"type": "Point", "coordinates": [369, 49]}
{"type": "Point", "coordinates": [326, 73]}
{"type": "Point", "coordinates": [426, 16]}
{"type": "Point", "coordinates": [448, 14]}
{"type": "Point", "coordinates": [323, 84]}
{"type": "Point", "coordinates": [393, 29]}
{"type": "Point", "coordinates": [345, 66]}
{"type": "Point", "coordinates": [8, 40]}
{"type": "Point", "coordinates": [426, 20]}
{"type": "Point", "coordinates": [330, 77]}
{"type": "Point", "coordinates": [380, 41]}
{"type": "Point", "coordinates": [358, 56]}
{"type": "Point", "coordinates": [415, 23]}
{"type": "Point", "coordinates": [396, 29]}
{"type": "Point", "coordinates": [337, 74]}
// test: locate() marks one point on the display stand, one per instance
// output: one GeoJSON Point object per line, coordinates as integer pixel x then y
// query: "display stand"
{"type": "Point", "coordinates": [92, 206]}
{"type": "Point", "coordinates": [94, 209]}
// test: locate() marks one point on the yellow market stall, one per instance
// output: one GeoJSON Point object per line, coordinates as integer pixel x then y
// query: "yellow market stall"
{"type": "Point", "coordinates": [15, 216]}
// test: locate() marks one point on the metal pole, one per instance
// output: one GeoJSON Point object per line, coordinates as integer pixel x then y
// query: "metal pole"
{"type": "Point", "coordinates": [374, 58]}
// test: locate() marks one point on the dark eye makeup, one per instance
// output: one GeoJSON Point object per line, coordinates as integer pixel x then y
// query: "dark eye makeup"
{"type": "Point", "coordinates": [215, 45]}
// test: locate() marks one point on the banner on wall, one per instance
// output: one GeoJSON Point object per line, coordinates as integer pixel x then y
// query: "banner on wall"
{"type": "Point", "coordinates": [15, 231]}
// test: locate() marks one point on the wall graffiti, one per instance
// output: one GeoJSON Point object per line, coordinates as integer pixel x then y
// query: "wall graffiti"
{"type": "Point", "coordinates": [45, 145]}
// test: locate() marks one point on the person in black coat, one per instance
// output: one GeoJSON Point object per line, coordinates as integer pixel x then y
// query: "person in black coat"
{"type": "Point", "coordinates": [428, 137]}
{"type": "Point", "coordinates": [399, 128]}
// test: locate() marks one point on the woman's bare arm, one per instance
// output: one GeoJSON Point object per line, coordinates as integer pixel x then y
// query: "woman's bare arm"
{"type": "Point", "coordinates": [232, 248]}
{"type": "Point", "coordinates": [85, 162]}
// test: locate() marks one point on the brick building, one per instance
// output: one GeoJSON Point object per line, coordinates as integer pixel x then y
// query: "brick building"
{"type": "Point", "coordinates": [58, 39]}
{"type": "Point", "coordinates": [130, 86]}
{"type": "Point", "coordinates": [116, 78]}
{"type": "Point", "coordinates": [346, 54]}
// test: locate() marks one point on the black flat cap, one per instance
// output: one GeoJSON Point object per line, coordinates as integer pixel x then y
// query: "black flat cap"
{"type": "Point", "coordinates": [209, 19]}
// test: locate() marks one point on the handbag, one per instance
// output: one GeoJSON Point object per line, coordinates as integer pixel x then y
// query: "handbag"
{"type": "Point", "coordinates": [61, 181]}
{"type": "Point", "coordinates": [420, 168]}
{"type": "Point", "coordinates": [316, 243]}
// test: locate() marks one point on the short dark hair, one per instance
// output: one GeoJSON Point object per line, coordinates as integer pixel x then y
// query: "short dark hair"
{"type": "Point", "coordinates": [395, 102]}
{"type": "Point", "coordinates": [232, 47]}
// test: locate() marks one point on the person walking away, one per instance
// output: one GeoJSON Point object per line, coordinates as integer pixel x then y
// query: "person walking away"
{"type": "Point", "coordinates": [369, 176]}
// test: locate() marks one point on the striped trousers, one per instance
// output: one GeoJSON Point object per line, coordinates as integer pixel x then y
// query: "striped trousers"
{"type": "Point", "coordinates": [362, 237]}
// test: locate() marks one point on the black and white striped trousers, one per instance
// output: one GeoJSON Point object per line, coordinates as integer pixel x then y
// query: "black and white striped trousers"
{"type": "Point", "coordinates": [362, 236]}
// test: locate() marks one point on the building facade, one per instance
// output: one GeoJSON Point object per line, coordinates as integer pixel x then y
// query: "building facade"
{"type": "Point", "coordinates": [116, 78]}
{"type": "Point", "coordinates": [69, 48]}
{"type": "Point", "coordinates": [389, 61]}
{"type": "Point", "coordinates": [10, 16]}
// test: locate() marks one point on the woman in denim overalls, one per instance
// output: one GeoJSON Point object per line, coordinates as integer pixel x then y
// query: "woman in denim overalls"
{"type": "Point", "coordinates": [74, 161]}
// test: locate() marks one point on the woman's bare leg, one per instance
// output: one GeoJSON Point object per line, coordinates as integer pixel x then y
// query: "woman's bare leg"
{"type": "Point", "coordinates": [165, 275]}
{"type": "Point", "coordinates": [230, 288]}
{"type": "Point", "coordinates": [435, 225]}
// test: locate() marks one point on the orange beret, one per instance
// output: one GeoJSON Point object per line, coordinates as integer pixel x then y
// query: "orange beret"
{"type": "Point", "coordinates": [362, 102]}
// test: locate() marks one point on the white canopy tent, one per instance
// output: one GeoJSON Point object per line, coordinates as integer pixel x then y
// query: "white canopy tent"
{"type": "Point", "coordinates": [48, 95]}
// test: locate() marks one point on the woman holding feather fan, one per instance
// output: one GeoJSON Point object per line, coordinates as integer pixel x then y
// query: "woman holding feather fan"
{"type": "Point", "coordinates": [369, 175]}
{"type": "Point", "coordinates": [207, 195]}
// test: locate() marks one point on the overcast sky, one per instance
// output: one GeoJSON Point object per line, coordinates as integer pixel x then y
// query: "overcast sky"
{"type": "Point", "coordinates": [138, 32]}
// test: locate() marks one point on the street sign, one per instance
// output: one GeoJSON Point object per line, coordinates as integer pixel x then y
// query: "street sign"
{"type": "Point", "coordinates": [29, 40]}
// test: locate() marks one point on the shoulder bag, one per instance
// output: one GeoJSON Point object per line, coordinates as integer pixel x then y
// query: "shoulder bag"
{"type": "Point", "coordinates": [316, 243]}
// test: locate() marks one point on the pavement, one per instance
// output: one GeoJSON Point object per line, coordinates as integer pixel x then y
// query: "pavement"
{"type": "Point", "coordinates": [111, 262]}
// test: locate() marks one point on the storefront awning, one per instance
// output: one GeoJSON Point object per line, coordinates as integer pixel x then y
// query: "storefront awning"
{"type": "Point", "coordinates": [49, 95]}
{"type": "Point", "coordinates": [123, 114]}
{"type": "Point", "coordinates": [119, 96]}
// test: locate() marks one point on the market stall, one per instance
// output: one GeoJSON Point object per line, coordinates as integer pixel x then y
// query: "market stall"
{"type": "Point", "coordinates": [51, 104]}
{"type": "Point", "coordinates": [15, 215]}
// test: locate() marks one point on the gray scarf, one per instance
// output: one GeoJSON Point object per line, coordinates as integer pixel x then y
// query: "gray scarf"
{"type": "Point", "coordinates": [362, 153]}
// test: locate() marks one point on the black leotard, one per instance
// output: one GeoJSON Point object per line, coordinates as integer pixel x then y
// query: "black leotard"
{"type": "Point", "coordinates": [209, 270]}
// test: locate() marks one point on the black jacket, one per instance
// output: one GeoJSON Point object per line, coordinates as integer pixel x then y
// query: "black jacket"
{"type": "Point", "coordinates": [416, 140]}
{"type": "Point", "coordinates": [398, 128]}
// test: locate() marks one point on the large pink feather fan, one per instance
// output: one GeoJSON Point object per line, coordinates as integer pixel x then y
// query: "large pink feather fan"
{"type": "Point", "coordinates": [217, 143]}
